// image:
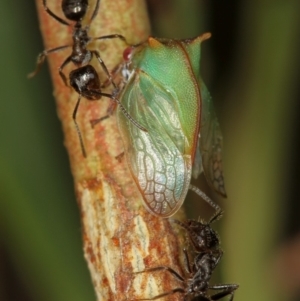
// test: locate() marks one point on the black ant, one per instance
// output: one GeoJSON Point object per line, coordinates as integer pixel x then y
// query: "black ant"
{"type": "Point", "coordinates": [196, 282]}
{"type": "Point", "coordinates": [85, 79]}
{"type": "Point", "coordinates": [203, 237]}
{"type": "Point", "coordinates": [208, 254]}
{"type": "Point", "coordinates": [75, 10]}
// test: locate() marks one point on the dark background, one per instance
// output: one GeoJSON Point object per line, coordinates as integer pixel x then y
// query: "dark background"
{"type": "Point", "coordinates": [250, 65]}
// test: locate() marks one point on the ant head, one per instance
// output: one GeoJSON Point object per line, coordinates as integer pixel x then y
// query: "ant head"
{"type": "Point", "coordinates": [202, 236]}
{"type": "Point", "coordinates": [74, 10]}
{"type": "Point", "coordinates": [85, 81]}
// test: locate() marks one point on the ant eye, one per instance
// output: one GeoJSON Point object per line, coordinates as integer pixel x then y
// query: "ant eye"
{"type": "Point", "coordinates": [127, 53]}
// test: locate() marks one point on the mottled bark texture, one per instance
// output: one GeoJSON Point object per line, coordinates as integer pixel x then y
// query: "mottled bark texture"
{"type": "Point", "coordinates": [120, 237]}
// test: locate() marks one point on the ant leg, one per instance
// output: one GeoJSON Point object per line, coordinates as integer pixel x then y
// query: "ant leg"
{"type": "Point", "coordinates": [219, 256]}
{"type": "Point", "coordinates": [95, 121]}
{"type": "Point", "coordinates": [221, 295]}
{"type": "Point", "coordinates": [174, 273]}
{"type": "Point", "coordinates": [41, 58]}
{"type": "Point", "coordinates": [114, 73]}
{"type": "Point", "coordinates": [53, 15]}
{"type": "Point", "coordinates": [117, 36]}
{"type": "Point", "coordinates": [181, 224]}
{"type": "Point", "coordinates": [176, 290]}
{"type": "Point", "coordinates": [218, 214]}
{"type": "Point", "coordinates": [77, 126]}
{"type": "Point", "coordinates": [118, 67]}
{"type": "Point", "coordinates": [187, 260]}
{"type": "Point", "coordinates": [113, 104]}
{"type": "Point", "coordinates": [95, 12]}
{"type": "Point", "coordinates": [111, 108]}
{"type": "Point", "coordinates": [96, 53]}
{"type": "Point", "coordinates": [113, 36]}
{"type": "Point", "coordinates": [228, 289]}
{"type": "Point", "coordinates": [60, 70]}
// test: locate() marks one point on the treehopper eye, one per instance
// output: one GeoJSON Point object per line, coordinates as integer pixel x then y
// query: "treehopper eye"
{"type": "Point", "coordinates": [165, 94]}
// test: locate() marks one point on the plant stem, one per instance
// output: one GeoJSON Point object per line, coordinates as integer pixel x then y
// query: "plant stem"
{"type": "Point", "coordinates": [120, 237]}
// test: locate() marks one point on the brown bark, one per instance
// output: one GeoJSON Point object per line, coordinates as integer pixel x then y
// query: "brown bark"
{"type": "Point", "coordinates": [120, 237]}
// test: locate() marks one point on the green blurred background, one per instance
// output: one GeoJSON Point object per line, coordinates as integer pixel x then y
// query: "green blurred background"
{"type": "Point", "coordinates": [251, 66]}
